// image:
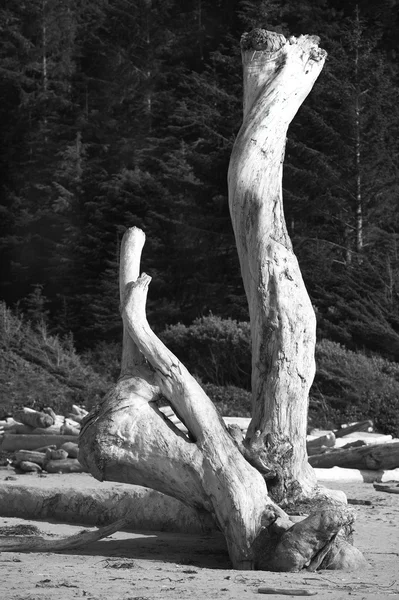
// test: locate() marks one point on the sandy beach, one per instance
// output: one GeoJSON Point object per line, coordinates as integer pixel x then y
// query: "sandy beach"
{"type": "Point", "coordinates": [157, 565]}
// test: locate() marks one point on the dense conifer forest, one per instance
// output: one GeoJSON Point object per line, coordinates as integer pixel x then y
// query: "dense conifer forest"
{"type": "Point", "coordinates": [117, 113]}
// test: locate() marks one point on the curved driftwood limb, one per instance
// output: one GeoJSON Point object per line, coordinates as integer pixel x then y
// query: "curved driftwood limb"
{"type": "Point", "coordinates": [278, 75]}
{"type": "Point", "coordinates": [36, 543]}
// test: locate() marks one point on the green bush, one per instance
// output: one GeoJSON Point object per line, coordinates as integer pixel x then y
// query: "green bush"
{"type": "Point", "coordinates": [213, 349]}
{"type": "Point", "coordinates": [351, 386]}
{"type": "Point", "coordinates": [230, 400]}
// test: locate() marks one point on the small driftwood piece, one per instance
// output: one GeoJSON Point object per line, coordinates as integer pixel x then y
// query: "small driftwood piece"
{"type": "Point", "coordinates": [390, 488]}
{"type": "Point", "coordinates": [324, 441]}
{"type": "Point", "coordinates": [373, 457]}
{"type": "Point", "coordinates": [40, 544]}
{"type": "Point", "coordinates": [286, 591]}
{"type": "Point", "coordinates": [29, 467]}
{"type": "Point", "coordinates": [34, 418]}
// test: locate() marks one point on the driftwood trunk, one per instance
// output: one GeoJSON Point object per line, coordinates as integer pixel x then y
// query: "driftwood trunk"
{"type": "Point", "coordinates": [128, 439]}
{"type": "Point", "coordinates": [278, 75]}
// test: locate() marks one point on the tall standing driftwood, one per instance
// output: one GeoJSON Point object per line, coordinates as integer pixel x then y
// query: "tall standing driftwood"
{"type": "Point", "coordinates": [128, 439]}
{"type": "Point", "coordinates": [278, 75]}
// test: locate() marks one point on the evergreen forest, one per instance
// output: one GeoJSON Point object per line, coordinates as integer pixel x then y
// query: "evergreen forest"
{"type": "Point", "coordinates": [117, 113]}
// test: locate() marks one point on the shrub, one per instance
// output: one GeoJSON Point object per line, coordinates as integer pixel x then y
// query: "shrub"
{"type": "Point", "coordinates": [215, 350]}
{"type": "Point", "coordinates": [351, 386]}
{"type": "Point", "coordinates": [230, 400]}
{"type": "Point", "coordinates": [38, 369]}
{"type": "Point", "coordinates": [104, 359]}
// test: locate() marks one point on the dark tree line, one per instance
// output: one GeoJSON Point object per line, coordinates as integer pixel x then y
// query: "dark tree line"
{"type": "Point", "coordinates": [117, 113]}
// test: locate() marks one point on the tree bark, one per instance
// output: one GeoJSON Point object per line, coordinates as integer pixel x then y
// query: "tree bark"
{"type": "Point", "coordinates": [128, 439]}
{"type": "Point", "coordinates": [278, 75]}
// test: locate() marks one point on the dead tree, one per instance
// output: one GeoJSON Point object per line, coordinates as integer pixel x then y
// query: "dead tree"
{"type": "Point", "coordinates": [243, 484]}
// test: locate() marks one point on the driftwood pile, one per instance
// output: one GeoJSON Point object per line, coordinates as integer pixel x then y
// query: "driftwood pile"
{"type": "Point", "coordinates": [43, 440]}
{"type": "Point", "coordinates": [354, 447]}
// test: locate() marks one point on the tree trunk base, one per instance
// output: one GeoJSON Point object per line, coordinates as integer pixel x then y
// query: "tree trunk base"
{"type": "Point", "coordinates": [127, 439]}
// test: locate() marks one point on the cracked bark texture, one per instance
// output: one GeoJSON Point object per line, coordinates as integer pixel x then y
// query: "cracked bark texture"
{"type": "Point", "coordinates": [278, 75]}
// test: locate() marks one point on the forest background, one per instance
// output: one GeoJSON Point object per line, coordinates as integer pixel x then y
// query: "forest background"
{"type": "Point", "coordinates": [117, 113]}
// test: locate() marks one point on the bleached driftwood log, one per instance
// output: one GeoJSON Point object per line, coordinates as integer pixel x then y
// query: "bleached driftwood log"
{"type": "Point", "coordinates": [374, 457]}
{"type": "Point", "coordinates": [128, 439]}
{"type": "Point", "coordinates": [366, 425]}
{"type": "Point", "coordinates": [34, 418]}
{"type": "Point", "coordinates": [37, 543]}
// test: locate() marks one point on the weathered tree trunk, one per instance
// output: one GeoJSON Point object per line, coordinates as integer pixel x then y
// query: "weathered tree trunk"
{"type": "Point", "coordinates": [278, 75]}
{"type": "Point", "coordinates": [128, 439]}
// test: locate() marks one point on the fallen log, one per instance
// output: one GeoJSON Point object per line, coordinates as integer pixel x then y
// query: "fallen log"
{"type": "Point", "coordinates": [374, 457]}
{"type": "Point", "coordinates": [66, 465]}
{"type": "Point", "coordinates": [365, 436]}
{"type": "Point", "coordinates": [57, 454]}
{"type": "Point", "coordinates": [62, 426]}
{"type": "Point", "coordinates": [365, 425]}
{"type": "Point", "coordinates": [33, 418]}
{"type": "Point", "coordinates": [44, 448]}
{"type": "Point", "coordinates": [327, 476]}
{"type": "Point", "coordinates": [19, 428]}
{"type": "Point", "coordinates": [29, 467]}
{"type": "Point", "coordinates": [54, 429]}
{"type": "Point", "coordinates": [31, 456]}
{"type": "Point", "coordinates": [71, 448]}
{"type": "Point", "coordinates": [12, 441]}
{"type": "Point", "coordinates": [389, 488]}
{"type": "Point", "coordinates": [324, 441]}
{"type": "Point", "coordinates": [40, 544]}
